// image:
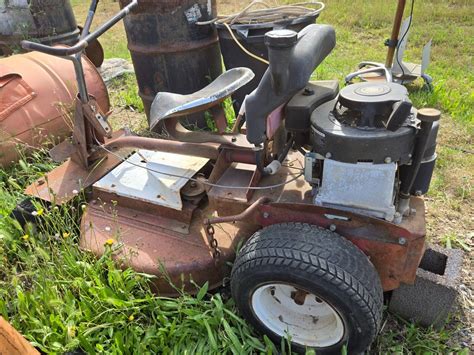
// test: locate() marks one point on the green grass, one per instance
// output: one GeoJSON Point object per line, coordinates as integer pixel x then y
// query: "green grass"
{"type": "Point", "coordinates": [123, 92]}
{"type": "Point", "coordinates": [62, 298]}
{"type": "Point", "coordinates": [407, 338]}
{"type": "Point", "coordinates": [362, 27]}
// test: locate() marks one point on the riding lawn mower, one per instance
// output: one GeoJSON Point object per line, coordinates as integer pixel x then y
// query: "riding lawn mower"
{"type": "Point", "coordinates": [310, 206]}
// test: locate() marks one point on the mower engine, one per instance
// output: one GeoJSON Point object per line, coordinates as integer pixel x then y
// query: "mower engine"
{"type": "Point", "coordinates": [369, 151]}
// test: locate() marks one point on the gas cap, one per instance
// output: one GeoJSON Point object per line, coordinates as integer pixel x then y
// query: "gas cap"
{"type": "Point", "coordinates": [281, 38]}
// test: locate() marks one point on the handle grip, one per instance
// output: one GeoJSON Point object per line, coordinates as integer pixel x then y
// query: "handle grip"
{"type": "Point", "coordinates": [56, 51]}
{"type": "Point", "coordinates": [83, 43]}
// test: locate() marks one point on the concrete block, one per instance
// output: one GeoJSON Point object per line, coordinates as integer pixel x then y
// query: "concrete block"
{"type": "Point", "coordinates": [430, 299]}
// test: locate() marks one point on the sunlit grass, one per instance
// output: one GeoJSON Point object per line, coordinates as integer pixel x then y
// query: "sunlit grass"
{"type": "Point", "coordinates": [62, 298]}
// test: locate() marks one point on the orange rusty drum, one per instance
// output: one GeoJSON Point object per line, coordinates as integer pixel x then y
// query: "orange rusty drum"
{"type": "Point", "coordinates": [37, 94]}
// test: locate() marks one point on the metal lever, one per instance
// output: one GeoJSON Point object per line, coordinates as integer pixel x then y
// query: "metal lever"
{"type": "Point", "coordinates": [83, 42]}
{"type": "Point", "coordinates": [90, 125]}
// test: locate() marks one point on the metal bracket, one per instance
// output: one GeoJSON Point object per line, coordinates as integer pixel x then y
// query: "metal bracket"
{"type": "Point", "coordinates": [391, 43]}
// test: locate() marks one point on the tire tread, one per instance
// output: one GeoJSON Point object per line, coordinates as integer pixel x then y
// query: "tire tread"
{"type": "Point", "coordinates": [317, 251]}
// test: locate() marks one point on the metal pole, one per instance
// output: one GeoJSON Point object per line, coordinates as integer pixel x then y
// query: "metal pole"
{"type": "Point", "coordinates": [90, 17]}
{"type": "Point", "coordinates": [397, 22]}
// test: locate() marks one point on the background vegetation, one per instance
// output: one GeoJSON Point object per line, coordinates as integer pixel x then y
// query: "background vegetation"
{"type": "Point", "coordinates": [62, 298]}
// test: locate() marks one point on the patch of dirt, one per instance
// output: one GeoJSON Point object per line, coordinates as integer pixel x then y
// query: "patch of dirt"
{"type": "Point", "coordinates": [123, 117]}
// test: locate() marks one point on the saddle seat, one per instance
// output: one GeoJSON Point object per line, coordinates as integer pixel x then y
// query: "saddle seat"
{"type": "Point", "coordinates": [167, 104]}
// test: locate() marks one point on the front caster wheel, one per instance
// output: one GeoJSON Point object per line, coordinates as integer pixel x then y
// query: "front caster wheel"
{"type": "Point", "coordinates": [308, 284]}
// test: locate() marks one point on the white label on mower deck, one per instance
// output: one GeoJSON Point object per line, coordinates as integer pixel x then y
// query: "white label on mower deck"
{"type": "Point", "coordinates": [139, 177]}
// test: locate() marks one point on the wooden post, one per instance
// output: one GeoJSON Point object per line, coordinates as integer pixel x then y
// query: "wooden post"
{"type": "Point", "coordinates": [12, 342]}
{"type": "Point", "coordinates": [397, 22]}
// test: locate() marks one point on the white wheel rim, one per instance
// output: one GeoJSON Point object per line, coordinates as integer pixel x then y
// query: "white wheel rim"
{"type": "Point", "coordinates": [313, 323]}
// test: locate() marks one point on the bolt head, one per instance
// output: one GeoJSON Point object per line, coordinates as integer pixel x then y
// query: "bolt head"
{"type": "Point", "coordinates": [308, 92]}
{"type": "Point", "coordinates": [332, 227]}
{"type": "Point", "coordinates": [402, 241]}
{"type": "Point", "coordinates": [328, 155]}
{"type": "Point", "coordinates": [266, 214]}
{"type": "Point", "coordinates": [388, 160]}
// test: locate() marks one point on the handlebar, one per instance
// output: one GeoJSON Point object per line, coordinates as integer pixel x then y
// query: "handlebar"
{"type": "Point", "coordinates": [84, 42]}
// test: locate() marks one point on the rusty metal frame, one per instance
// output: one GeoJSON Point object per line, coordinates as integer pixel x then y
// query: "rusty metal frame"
{"type": "Point", "coordinates": [394, 250]}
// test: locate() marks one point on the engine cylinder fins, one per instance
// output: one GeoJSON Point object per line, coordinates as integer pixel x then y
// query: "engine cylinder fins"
{"type": "Point", "coordinates": [349, 144]}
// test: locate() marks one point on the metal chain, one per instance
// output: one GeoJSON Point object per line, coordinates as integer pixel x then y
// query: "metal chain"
{"type": "Point", "coordinates": [216, 252]}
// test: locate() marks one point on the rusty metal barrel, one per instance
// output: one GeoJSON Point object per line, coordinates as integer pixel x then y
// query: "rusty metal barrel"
{"type": "Point", "coordinates": [47, 21]}
{"type": "Point", "coordinates": [170, 51]}
{"type": "Point", "coordinates": [37, 94]}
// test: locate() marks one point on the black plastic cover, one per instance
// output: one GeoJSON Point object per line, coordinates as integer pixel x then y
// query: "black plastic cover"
{"type": "Point", "coordinates": [401, 110]}
{"type": "Point", "coordinates": [431, 144]}
{"type": "Point", "coordinates": [355, 144]}
{"type": "Point", "coordinates": [422, 181]}
{"type": "Point", "coordinates": [298, 110]}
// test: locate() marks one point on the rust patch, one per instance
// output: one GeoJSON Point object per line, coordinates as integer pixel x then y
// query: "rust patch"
{"type": "Point", "coordinates": [156, 245]}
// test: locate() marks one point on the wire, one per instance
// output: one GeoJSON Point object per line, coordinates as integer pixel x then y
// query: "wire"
{"type": "Point", "coordinates": [242, 47]}
{"type": "Point", "coordinates": [296, 177]}
{"type": "Point", "coordinates": [403, 37]}
{"type": "Point", "coordinates": [269, 14]}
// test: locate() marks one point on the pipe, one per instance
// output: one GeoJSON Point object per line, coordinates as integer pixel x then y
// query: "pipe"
{"type": "Point", "coordinates": [395, 32]}
{"type": "Point", "coordinates": [427, 116]}
{"type": "Point", "coordinates": [280, 45]}
{"type": "Point", "coordinates": [241, 216]}
{"type": "Point", "coordinates": [90, 17]}
{"type": "Point", "coordinates": [205, 150]}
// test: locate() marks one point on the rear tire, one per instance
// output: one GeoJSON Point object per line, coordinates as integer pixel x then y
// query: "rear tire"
{"type": "Point", "coordinates": [311, 284]}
